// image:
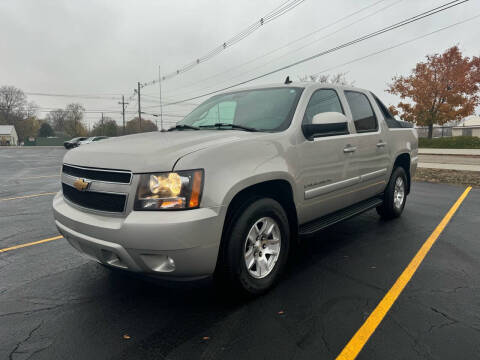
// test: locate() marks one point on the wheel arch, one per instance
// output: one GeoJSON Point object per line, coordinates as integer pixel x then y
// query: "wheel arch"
{"type": "Point", "coordinates": [278, 189]}
{"type": "Point", "coordinates": [403, 160]}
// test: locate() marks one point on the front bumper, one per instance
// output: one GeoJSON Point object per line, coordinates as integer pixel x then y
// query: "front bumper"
{"type": "Point", "coordinates": [144, 241]}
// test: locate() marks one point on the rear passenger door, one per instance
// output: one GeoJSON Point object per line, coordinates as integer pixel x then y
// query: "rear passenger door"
{"type": "Point", "coordinates": [371, 158]}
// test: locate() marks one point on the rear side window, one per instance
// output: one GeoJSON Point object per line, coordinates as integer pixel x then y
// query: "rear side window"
{"type": "Point", "coordinates": [323, 100]}
{"type": "Point", "coordinates": [362, 112]}
{"type": "Point", "coordinates": [389, 119]}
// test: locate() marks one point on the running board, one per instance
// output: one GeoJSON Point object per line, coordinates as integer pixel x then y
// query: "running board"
{"type": "Point", "coordinates": [344, 214]}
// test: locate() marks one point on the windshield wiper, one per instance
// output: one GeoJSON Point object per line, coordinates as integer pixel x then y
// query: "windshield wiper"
{"type": "Point", "coordinates": [184, 126]}
{"type": "Point", "coordinates": [233, 126]}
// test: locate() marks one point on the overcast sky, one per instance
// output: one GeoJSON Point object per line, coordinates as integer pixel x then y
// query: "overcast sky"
{"type": "Point", "coordinates": [104, 47]}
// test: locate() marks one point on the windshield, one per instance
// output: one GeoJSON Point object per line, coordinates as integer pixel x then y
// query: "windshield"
{"type": "Point", "coordinates": [268, 109]}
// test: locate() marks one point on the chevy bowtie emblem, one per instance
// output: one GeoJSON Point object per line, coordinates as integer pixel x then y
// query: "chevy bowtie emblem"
{"type": "Point", "coordinates": [82, 184]}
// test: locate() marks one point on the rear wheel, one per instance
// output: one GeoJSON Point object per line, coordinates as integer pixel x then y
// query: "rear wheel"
{"type": "Point", "coordinates": [256, 247]}
{"type": "Point", "coordinates": [395, 195]}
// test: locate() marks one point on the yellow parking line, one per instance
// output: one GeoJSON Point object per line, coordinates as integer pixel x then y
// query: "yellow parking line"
{"type": "Point", "coordinates": [27, 196]}
{"type": "Point", "coordinates": [355, 345]}
{"type": "Point", "coordinates": [31, 243]}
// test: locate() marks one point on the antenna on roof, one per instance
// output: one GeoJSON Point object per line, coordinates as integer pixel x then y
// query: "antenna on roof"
{"type": "Point", "coordinates": [288, 81]}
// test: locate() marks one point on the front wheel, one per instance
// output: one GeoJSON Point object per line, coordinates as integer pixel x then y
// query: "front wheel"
{"type": "Point", "coordinates": [395, 195]}
{"type": "Point", "coordinates": [256, 247]}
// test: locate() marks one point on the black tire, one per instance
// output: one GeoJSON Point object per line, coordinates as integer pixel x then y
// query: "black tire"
{"type": "Point", "coordinates": [232, 270]}
{"type": "Point", "coordinates": [391, 209]}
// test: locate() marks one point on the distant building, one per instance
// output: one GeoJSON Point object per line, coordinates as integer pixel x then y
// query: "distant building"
{"type": "Point", "coordinates": [8, 135]}
{"type": "Point", "coordinates": [469, 126]}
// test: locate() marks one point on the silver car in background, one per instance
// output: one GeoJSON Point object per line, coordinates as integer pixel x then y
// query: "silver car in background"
{"type": "Point", "coordinates": [91, 139]}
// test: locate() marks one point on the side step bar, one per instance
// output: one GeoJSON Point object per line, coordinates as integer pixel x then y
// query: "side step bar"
{"type": "Point", "coordinates": [340, 215]}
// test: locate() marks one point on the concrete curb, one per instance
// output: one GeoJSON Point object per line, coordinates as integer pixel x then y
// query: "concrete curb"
{"type": "Point", "coordinates": [458, 152]}
{"type": "Point", "coordinates": [459, 167]}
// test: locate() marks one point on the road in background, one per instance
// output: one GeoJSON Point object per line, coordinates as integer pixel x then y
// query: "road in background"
{"type": "Point", "coordinates": [57, 304]}
{"type": "Point", "coordinates": [450, 159]}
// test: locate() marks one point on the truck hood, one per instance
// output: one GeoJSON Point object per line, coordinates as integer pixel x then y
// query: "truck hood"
{"type": "Point", "coordinates": [150, 152]}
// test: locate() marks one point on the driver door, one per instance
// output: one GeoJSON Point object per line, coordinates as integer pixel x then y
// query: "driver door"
{"type": "Point", "coordinates": [327, 170]}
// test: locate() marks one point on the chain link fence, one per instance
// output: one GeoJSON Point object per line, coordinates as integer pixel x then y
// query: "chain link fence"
{"type": "Point", "coordinates": [438, 131]}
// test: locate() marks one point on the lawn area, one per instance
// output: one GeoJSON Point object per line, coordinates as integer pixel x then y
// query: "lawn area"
{"type": "Point", "coordinates": [457, 142]}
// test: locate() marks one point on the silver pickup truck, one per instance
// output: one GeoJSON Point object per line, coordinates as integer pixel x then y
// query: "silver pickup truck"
{"type": "Point", "coordinates": [232, 187]}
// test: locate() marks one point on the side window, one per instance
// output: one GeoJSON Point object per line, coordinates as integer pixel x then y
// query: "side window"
{"type": "Point", "coordinates": [323, 100]}
{"type": "Point", "coordinates": [223, 112]}
{"type": "Point", "coordinates": [389, 119]}
{"type": "Point", "coordinates": [362, 112]}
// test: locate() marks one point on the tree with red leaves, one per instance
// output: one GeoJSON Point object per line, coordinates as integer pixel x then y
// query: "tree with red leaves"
{"type": "Point", "coordinates": [445, 87]}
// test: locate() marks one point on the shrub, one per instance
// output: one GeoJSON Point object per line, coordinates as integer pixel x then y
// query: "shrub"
{"type": "Point", "coordinates": [457, 142]}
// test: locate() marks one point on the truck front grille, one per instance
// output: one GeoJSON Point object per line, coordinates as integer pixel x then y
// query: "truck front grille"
{"type": "Point", "coordinates": [95, 200]}
{"type": "Point", "coordinates": [114, 176]}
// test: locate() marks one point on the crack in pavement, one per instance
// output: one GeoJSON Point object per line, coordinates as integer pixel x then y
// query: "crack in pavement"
{"type": "Point", "coordinates": [414, 339]}
{"type": "Point", "coordinates": [353, 278]}
{"type": "Point", "coordinates": [32, 311]}
{"type": "Point", "coordinates": [10, 356]}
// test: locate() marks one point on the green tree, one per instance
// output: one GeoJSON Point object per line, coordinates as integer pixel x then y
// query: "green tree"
{"type": "Point", "coordinates": [45, 130]}
{"type": "Point", "coordinates": [27, 127]}
{"type": "Point", "coordinates": [106, 128]}
{"type": "Point", "coordinates": [133, 126]}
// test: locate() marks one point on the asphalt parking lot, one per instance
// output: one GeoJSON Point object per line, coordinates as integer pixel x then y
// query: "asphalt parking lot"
{"type": "Point", "coordinates": [54, 304]}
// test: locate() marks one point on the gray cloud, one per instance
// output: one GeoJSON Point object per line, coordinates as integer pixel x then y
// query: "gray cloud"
{"type": "Point", "coordinates": [105, 47]}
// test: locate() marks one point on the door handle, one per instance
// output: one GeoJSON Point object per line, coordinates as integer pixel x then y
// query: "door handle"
{"type": "Point", "coordinates": [349, 149]}
{"type": "Point", "coordinates": [381, 144]}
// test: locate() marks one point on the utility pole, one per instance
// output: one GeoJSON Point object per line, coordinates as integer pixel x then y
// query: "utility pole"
{"type": "Point", "coordinates": [160, 90]}
{"type": "Point", "coordinates": [103, 127]}
{"type": "Point", "coordinates": [139, 108]}
{"type": "Point", "coordinates": [123, 103]}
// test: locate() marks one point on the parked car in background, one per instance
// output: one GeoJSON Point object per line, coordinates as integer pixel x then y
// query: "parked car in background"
{"type": "Point", "coordinates": [92, 139]}
{"type": "Point", "coordinates": [230, 189]}
{"type": "Point", "coordinates": [70, 144]}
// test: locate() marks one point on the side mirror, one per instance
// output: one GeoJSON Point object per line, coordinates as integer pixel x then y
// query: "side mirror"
{"type": "Point", "coordinates": [326, 124]}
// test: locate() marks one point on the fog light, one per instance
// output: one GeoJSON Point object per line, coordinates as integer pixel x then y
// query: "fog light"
{"type": "Point", "coordinates": [159, 263]}
{"type": "Point", "coordinates": [170, 263]}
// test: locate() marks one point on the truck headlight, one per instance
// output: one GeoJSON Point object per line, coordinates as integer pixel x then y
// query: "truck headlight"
{"type": "Point", "coordinates": [169, 191]}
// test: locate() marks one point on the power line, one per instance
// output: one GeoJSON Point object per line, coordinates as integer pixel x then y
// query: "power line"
{"type": "Point", "coordinates": [274, 14]}
{"type": "Point", "coordinates": [78, 96]}
{"type": "Point", "coordinates": [398, 45]}
{"type": "Point", "coordinates": [201, 81]}
{"type": "Point", "coordinates": [87, 111]}
{"type": "Point", "coordinates": [316, 40]}
{"type": "Point", "coordinates": [164, 114]}
{"type": "Point", "coordinates": [402, 23]}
